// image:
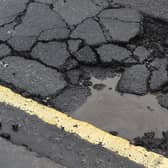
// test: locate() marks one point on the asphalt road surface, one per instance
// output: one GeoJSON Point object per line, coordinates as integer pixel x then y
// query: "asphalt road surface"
{"type": "Point", "coordinates": [14, 156]}
{"type": "Point", "coordinates": [49, 142]}
{"type": "Point", "coordinates": [101, 61]}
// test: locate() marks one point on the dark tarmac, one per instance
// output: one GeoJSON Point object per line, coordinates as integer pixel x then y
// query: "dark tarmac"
{"type": "Point", "coordinates": [50, 142]}
{"type": "Point", "coordinates": [104, 62]}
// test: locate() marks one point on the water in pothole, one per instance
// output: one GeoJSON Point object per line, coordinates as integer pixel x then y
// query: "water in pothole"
{"type": "Point", "coordinates": [129, 115]}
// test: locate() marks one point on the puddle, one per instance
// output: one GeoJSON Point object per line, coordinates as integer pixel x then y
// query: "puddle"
{"type": "Point", "coordinates": [129, 115]}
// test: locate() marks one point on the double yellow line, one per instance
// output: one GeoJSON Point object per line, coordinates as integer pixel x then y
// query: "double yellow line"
{"type": "Point", "coordinates": [84, 130]}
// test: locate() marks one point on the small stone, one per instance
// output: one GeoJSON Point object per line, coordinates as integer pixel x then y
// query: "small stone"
{"type": "Point", "coordinates": [114, 133]}
{"type": "Point", "coordinates": [87, 83]}
{"type": "Point", "coordinates": [141, 53]}
{"type": "Point", "coordinates": [86, 56]}
{"type": "Point", "coordinates": [150, 108]}
{"type": "Point", "coordinates": [149, 134]}
{"type": "Point", "coordinates": [15, 127]}
{"type": "Point", "coordinates": [99, 86]}
{"type": "Point", "coordinates": [134, 80]}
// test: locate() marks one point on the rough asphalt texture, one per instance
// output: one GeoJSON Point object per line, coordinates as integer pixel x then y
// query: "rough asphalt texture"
{"type": "Point", "coordinates": [153, 143]}
{"type": "Point", "coordinates": [49, 141]}
{"type": "Point", "coordinates": [49, 49]}
{"type": "Point", "coordinates": [18, 157]}
{"type": "Point", "coordinates": [138, 75]}
{"type": "Point", "coordinates": [44, 45]}
{"type": "Point", "coordinates": [156, 8]}
{"type": "Point", "coordinates": [33, 74]}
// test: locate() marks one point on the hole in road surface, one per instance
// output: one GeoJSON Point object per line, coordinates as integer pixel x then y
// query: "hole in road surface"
{"type": "Point", "coordinates": [129, 115]}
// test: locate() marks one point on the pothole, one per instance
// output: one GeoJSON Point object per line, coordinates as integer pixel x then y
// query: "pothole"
{"type": "Point", "coordinates": [115, 38]}
{"type": "Point", "coordinates": [127, 114]}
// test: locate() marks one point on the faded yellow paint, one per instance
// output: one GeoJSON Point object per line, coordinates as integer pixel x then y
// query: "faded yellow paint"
{"type": "Point", "coordinates": [84, 130]}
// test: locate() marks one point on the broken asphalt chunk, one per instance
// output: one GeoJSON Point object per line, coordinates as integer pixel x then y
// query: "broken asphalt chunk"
{"type": "Point", "coordinates": [120, 24]}
{"type": "Point", "coordinates": [31, 76]}
{"type": "Point", "coordinates": [134, 80]}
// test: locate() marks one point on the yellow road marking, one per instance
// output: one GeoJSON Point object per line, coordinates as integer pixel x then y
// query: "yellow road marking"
{"type": "Point", "coordinates": [84, 130]}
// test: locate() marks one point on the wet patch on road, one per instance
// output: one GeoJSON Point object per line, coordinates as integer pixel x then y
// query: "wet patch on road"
{"type": "Point", "coordinates": [127, 114]}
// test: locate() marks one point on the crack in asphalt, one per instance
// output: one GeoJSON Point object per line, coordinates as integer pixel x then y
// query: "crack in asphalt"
{"type": "Point", "coordinates": [18, 53]}
{"type": "Point", "coordinates": [151, 36]}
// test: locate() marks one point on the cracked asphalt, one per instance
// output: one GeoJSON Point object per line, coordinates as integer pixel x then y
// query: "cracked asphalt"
{"type": "Point", "coordinates": [51, 50]}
